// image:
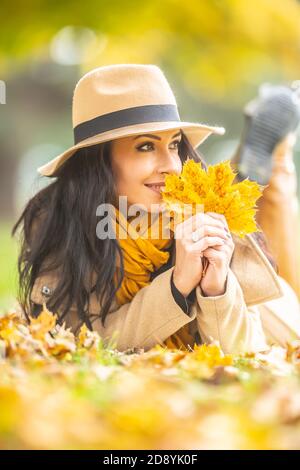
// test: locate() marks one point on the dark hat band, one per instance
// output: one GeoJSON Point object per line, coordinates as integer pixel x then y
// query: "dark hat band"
{"type": "Point", "coordinates": [126, 117]}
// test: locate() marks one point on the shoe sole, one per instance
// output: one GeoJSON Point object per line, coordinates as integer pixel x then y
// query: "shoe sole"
{"type": "Point", "coordinates": [274, 118]}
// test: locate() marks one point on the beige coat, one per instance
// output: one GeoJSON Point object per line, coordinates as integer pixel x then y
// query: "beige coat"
{"type": "Point", "coordinates": [258, 308]}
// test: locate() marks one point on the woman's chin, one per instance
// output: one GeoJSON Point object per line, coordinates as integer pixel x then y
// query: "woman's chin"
{"type": "Point", "coordinates": [152, 203]}
{"type": "Point", "coordinates": [156, 206]}
{"type": "Point", "coordinates": [153, 207]}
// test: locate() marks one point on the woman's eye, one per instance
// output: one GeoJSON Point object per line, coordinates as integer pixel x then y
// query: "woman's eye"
{"type": "Point", "coordinates": [142, 147]}
{"type": "Point", "coordinates": [176, 142]}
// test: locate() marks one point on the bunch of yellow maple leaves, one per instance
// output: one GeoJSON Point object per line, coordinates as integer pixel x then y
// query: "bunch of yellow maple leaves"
{"type": "Point", "coordinates": [58, 391]}
{"type": "Point", "coordinates": [214, 190]}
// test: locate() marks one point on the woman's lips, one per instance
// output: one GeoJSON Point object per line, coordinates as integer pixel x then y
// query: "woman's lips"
{"type": "Point", "coordinates": [156, 188]}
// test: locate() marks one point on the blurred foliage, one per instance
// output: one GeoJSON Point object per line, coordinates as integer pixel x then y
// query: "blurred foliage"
{"type": "Point", "coordinates": [62, 392]}
{"type": "Point", "coordinates": [219, 46]}
{"type": "Point", "coordinates": [8, 266]}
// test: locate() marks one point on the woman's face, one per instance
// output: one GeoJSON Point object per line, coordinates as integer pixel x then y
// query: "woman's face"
{"type": "Point", "coordinates": [141, 160]}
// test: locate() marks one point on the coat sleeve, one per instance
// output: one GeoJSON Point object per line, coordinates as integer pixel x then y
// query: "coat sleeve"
{"type": "Point", "coordinates": [281, 317]}
{"type": "Point", "coordinates": [152, 316]}
{"type": "Point", "coordinates": [227, 319]}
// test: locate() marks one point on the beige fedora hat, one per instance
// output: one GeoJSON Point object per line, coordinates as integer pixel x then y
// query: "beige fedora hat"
{"type": "Point", "coordinates": [121, 100]}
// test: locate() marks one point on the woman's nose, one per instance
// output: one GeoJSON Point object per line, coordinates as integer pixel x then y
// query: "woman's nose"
{"type": "Point", "coordinates": [169, 162]}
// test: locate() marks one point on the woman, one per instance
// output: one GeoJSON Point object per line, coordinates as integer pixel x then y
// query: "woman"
{"type": "Point", "coordinates": [128, 136]}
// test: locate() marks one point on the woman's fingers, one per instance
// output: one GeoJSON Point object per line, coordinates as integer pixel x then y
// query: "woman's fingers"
{"type": "Point", "coordinates": [209, 230]}
{"type": "Point", "coordinates": [197, 221]}
{"type": "Point", "coordinates": [219, 217]}
{"type": "Point", "coordinates": [206, 242]}
{"type": "Point", "coordinates": [214, 253]}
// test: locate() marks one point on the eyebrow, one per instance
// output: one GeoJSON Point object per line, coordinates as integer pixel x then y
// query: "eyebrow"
{"type": "Point", "coordinates": [155, 136]}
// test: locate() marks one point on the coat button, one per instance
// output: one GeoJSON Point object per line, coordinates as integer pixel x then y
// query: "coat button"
{"type": "Point", "coordinates": [46, 291]}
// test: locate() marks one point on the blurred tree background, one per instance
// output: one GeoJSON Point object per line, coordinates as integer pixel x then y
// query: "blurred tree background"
{"type": "Point", "coordinates": [215, 54]}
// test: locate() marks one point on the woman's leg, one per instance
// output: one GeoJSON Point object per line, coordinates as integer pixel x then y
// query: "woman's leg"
{"type": "Point", "coordinates": [278, 213]}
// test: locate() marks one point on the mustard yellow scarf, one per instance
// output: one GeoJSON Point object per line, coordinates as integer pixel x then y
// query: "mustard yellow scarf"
{"type": "Point", "coordinates": [142, 256]}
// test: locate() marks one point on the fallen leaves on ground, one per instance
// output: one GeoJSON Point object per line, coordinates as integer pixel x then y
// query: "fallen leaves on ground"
{"type": "Point", "coordinates": [58, 391]}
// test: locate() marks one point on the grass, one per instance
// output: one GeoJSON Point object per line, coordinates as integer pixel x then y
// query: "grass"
{"type": "Point", "coordinates": [8, 266]}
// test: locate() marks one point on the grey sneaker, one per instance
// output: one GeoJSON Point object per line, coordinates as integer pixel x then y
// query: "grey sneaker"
{"type": "Point", "coordinates": [268, 119]}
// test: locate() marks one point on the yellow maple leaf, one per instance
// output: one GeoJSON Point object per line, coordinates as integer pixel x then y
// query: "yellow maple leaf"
{"type": "Point", "coordinates": [212, 355]}
{"type": "Point", "coordinates": [44, 323]}
{"type": "Point", "coordinates": [215, 191]}
{"type": "Point", "coordinates": [88, 339]}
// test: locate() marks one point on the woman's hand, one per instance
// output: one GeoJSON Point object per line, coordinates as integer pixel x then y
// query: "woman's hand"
{"type": "Point", "coordinates": [188, 266]}
{"type": "Point", "coordinates": [219, 257]}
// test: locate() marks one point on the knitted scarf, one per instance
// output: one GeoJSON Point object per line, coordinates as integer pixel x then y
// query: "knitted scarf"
{"type": "Point", "coordinates": [142, 256]}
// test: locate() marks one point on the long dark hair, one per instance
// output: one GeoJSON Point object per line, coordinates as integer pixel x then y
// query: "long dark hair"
{"type": "Point", "coordinates": [58, 233]}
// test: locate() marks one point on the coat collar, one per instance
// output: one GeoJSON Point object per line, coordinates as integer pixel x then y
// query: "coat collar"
{"type": "Point", "coordinates": [257, 278]}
